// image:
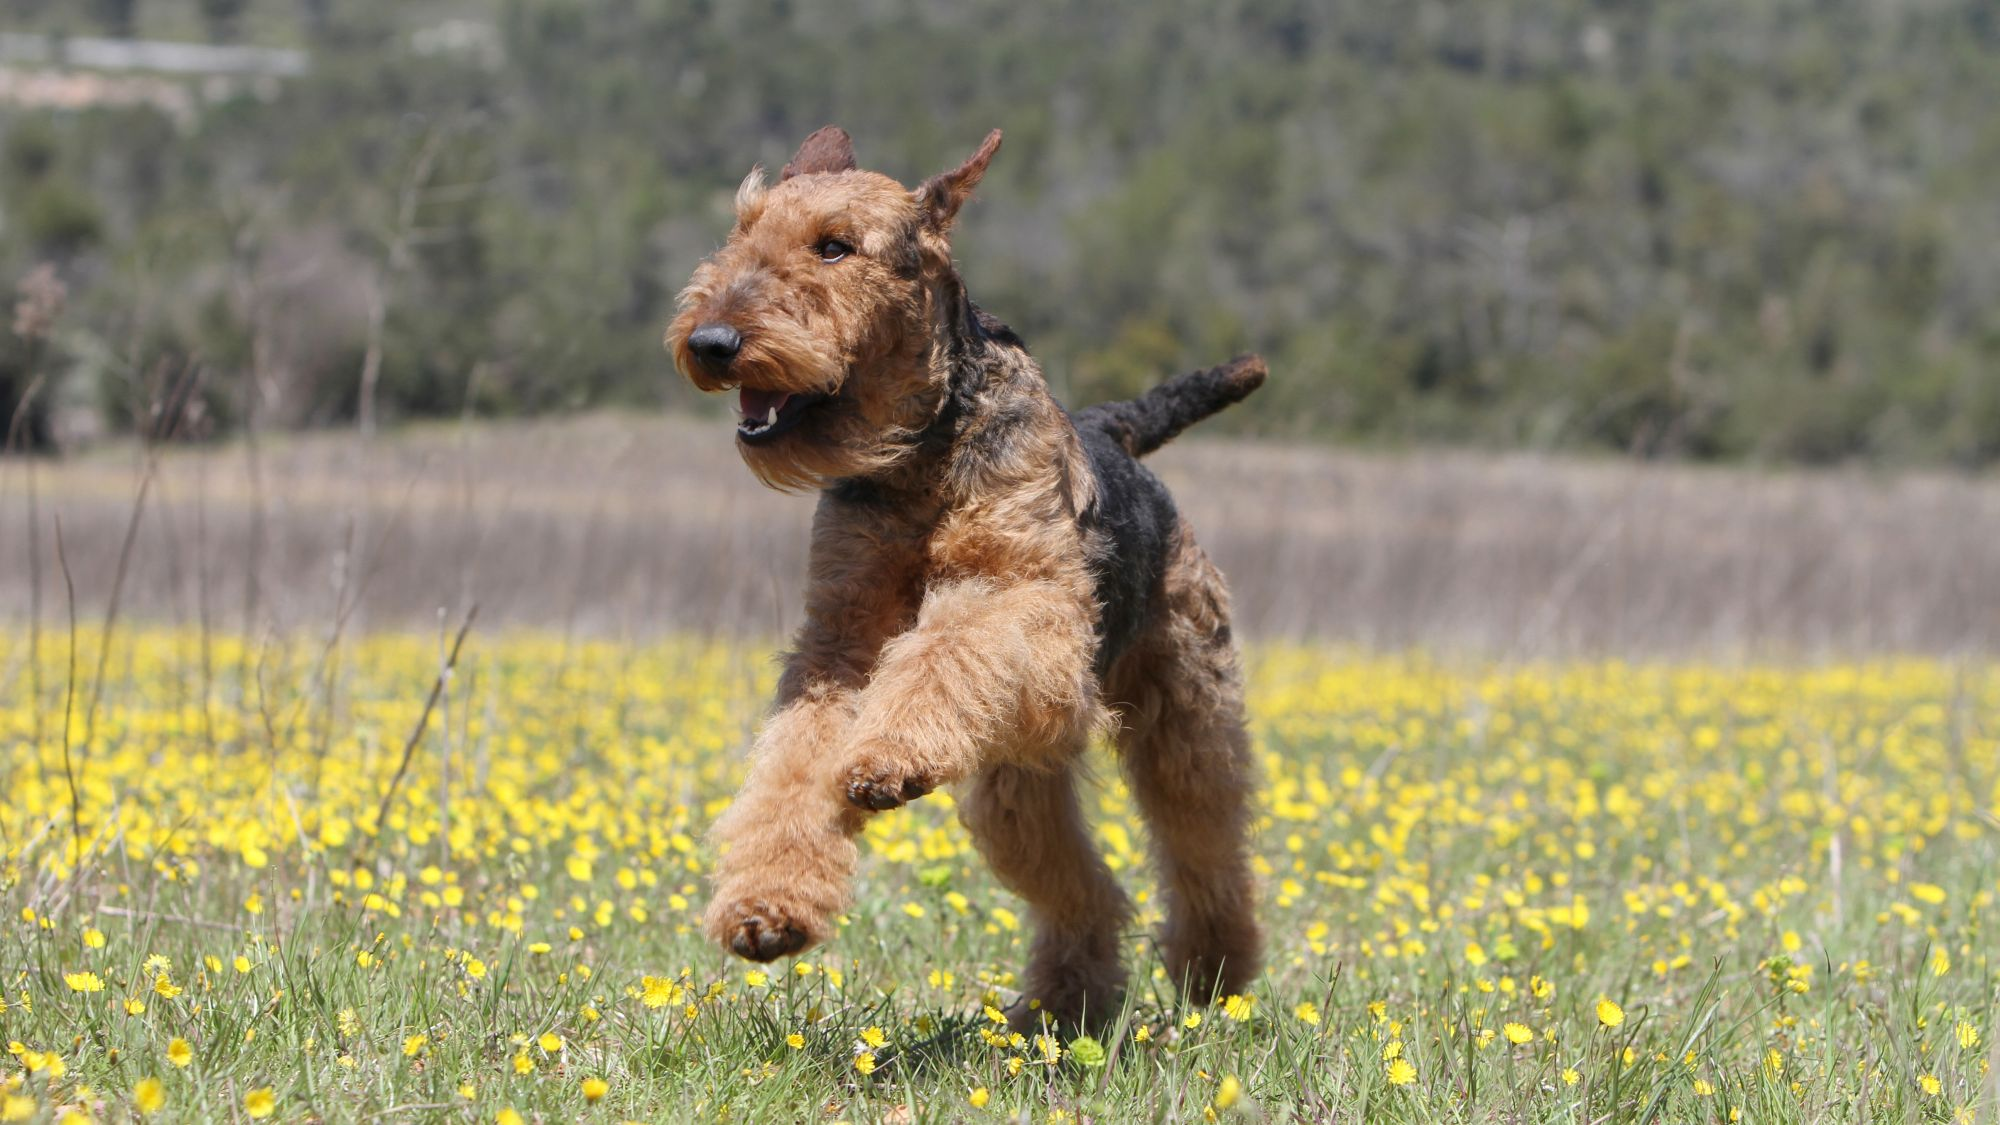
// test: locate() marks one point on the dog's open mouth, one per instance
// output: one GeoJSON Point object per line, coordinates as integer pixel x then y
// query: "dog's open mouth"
{"type": "Point", "coordinates": [766, 414]}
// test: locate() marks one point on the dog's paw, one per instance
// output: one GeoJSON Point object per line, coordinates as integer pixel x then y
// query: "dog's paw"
{"type": "Point", "coordinates": [757, 930]}
{"type": "Point", "coordinates": [877, 784]}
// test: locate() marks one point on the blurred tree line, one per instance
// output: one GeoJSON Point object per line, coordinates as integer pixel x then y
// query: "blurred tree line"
{"type": "Point", "coordinates": [1752, 229]}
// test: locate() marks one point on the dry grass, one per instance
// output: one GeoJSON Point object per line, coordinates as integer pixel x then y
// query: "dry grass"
{"type": "Point", "coordinates": [635, 526]}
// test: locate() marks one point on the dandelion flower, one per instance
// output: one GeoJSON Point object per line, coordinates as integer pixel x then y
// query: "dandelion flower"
{"type": "Point", "coordinates": [1609, 1014]}
{"type": "Point", "coordinates": [260, 1102]}
{"type": "Point", "coordinates": [149, 1096]}
{"type": "Point", "coordinates": [978, 1098]}
{"type": "Point", "coordinates": [1228, 1092]}
{"type": "Point", "coordinates": [179, 1053]}
{"type": "Point", "coordinates": [1518, 1033]}
{"type": "Point", "coordinates": [1238, 1008]}
{"type": "Point", "coordinates": [594, 1089]}
{"type": "Point", "coordinates": [84, 982]}
{"type": "Point", "coordinates": [1401, 1073]}
{"type": "Point", "coordinates": [1307, 1013]}
{"type": "Point", "coordinates": [657, 992]}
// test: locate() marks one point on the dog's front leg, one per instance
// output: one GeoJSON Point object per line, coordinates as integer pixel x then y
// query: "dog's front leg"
{"type": "Point", "coordinates": [989, 666]}
{"type": "Point", "coordinates": [789, 852]}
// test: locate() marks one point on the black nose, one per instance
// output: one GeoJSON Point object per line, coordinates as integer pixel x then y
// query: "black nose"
{"type": "Point", "coordinates": [715, 343]}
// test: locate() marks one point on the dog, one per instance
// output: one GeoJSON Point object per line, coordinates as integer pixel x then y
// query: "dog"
{"type": "Point", "coordinates": [991, 581]}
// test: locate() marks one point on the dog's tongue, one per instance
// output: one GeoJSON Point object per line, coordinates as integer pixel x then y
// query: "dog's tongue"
{"type": "Point", "coordinates": [758, 405]}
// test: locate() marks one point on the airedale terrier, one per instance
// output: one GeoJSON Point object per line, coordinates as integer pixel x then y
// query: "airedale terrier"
{"type": "Point", "coordinates": [992, 580]}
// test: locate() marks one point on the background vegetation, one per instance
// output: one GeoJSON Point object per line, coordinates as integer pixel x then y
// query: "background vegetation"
{"type": "Point", "coordinates": [1755, 229]}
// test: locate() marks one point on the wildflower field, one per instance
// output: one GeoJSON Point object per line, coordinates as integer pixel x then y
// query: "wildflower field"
{"type": "Point", "coordinates": [1567, 892]}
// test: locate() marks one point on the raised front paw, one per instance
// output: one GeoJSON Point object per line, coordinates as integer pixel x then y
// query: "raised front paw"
{"type": "Point", "coordinates": [878, 780]}
{"type": "Point", "coordinates": [759, 930]}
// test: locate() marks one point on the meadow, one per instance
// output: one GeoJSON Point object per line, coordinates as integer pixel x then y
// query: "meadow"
{"type": "Point", "coordinates": [237, 886]}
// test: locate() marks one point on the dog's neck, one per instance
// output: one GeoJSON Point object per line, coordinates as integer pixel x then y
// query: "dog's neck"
{"type": "Point", "coordinates": [976, 365]}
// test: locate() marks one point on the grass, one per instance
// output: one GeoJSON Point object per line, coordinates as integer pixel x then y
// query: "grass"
{"type": "Point", "coordinates": [1546, 892]}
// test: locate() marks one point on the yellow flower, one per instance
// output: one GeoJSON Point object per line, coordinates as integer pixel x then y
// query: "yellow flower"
{"type": "Point", "coordinates": [84, 982]}
{"type": "Point", "coordinates": [1609, 1014]}
{"type": "Point", "coordinates": [523, 1064]}
{"type": "Point", "coordinates": [1229, 1091]}
{"type": "Point", "coordinates": [795, 1041]}
{"type": "Point", "coordinates": [1401, 1073]}
{"type": "Point", "coordinates": [865, 1062]}
{"type": "Point", "coordinates": [658, 992]}
{"type": "Point", "coordinates": [1930, 1084]}
{"type": "Point", "coordinates": [874, 1038]}
{"type": "Point", "coordinates": [179, 1053]}
{"type": "Point", "coordinates": [1928, 892]}
{"type": "Point", "coordinates": [1967, 1035]}
{"type": "Point", "coordinates": [1192, 1021]}
{"type": "Point", "coordinates": [1238, 1008]}
{"type": "Point", "coordinates": [242, 963]}
{"type": "Point", "coordinates": [93, 938]}
{"type": "Point", "coordinates": [16, 1107]}
{"type": "Point", "coordinates": [1518, 1033]}
{"type": "Point", "coordinates": [165, 988]}
{"type": "Point", "coordinates": [260, 1102]}
{"type": "Point", "coordinates": [414, 1045]}
{"type": "Point", "coordinates": [755, 978]}
{"type": "Point", "coordinates": [508, 1117]}
{"type": "Point", "coordinates": [594, 1089]}
{"type": "Point", "coordinates": [149, 1096]}
{"type": "Point", "coordinates": [1307, 1013]}
{"type": "Point", "coordinates": [978, 1098]}
{"type": "Point", "coordinates": [1570, 1076]}
{"type": "Point", "coordinates": [475, 968]}
{"type": "Point", "coordinates": [135, 1006]}
{"type": "Point", "coordinates": [550, 1042]}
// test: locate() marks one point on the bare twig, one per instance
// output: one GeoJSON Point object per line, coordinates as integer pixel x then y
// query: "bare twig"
{"type": "Point", "coordinates": [398, 260]}
{"type": "Point", "coordinates": [34, 580]}
{"type": "Point", "coordinates": [423, 720]}
{"type": "Point", "coordinates": [71, 770]}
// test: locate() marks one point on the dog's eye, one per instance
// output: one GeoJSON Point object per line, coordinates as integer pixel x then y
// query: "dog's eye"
{"type": "Point", "coordinates": [833, 250]}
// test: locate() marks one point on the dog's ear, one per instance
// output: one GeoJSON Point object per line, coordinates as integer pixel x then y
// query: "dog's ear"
{"type": "Point", "coordinates": [943, 194]}
{"type": "Point", "coordinates": [827, 150]}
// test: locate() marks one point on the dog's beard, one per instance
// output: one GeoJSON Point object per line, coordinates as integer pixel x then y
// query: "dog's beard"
{"type": "Point", "coordinates": [837, 443]}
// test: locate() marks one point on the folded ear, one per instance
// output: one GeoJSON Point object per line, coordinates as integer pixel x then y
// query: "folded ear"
{"type": "Point", "coordinates": [827, 150]}
{"type": "Point", "coordinates": [943, 194]}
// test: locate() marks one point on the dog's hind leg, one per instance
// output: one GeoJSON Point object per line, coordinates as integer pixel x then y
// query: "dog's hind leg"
{"type": "Point", "coordinates": [1179, 695]}
{"type": "Point", "coordinates": [1027, 823]}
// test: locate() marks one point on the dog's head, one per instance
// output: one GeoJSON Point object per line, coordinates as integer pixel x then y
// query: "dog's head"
{"type": "Point", "coordinates": [819, 312]}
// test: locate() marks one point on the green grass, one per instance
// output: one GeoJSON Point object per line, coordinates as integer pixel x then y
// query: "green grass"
{"type": "Point", "coordinates": [1781, 878]}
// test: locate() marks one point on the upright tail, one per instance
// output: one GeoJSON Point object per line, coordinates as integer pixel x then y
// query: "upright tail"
{"type": "Point", "coordinates": [1153, 419]}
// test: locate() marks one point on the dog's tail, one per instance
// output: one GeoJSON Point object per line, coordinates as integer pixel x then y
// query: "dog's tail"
{"type": "Point", "coordinates": [1153, 419]}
